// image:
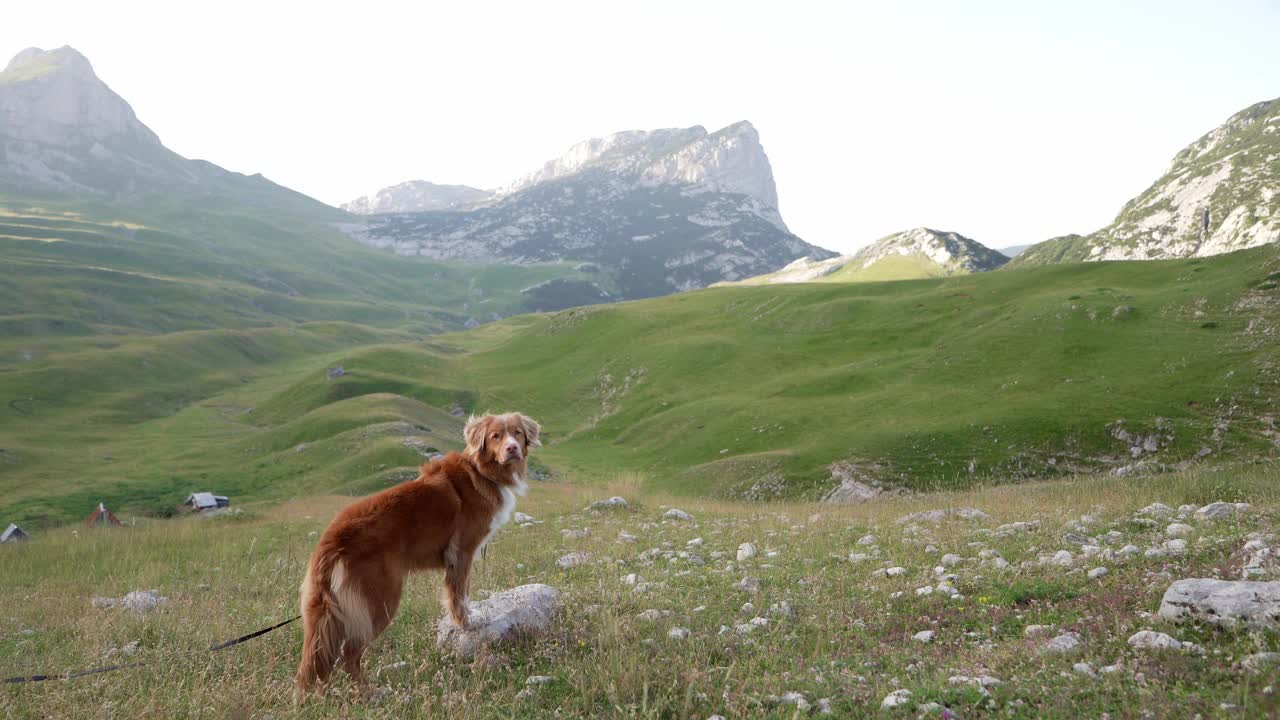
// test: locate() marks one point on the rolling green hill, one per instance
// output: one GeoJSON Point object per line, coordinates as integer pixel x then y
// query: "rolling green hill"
{"type": "Point", "coordinates": [750, 392]}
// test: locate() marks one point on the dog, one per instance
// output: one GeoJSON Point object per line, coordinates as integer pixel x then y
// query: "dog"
{"type": "Point", "coordinates": [440, 520]}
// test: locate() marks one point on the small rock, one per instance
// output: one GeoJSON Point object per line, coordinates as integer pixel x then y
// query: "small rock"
{"type": "Point", "coordinates": [951, 560]}
{"type": "Point", "coordinates": [1097, 572]}
{"type": "Point", "coordinates": [782, 609]}
{"type": "Point", "coordinates": [676, 514]}
{"type": "Point", "coordinates": [1220, 510]}
{"type": "Point", "coordinates": [1064, 643]}
{"type": "Point", "coordinates": [573, 559]}
{"type": "Point", "coordinates": [539, 680]}
{"type": "Point", "coordinates": [678, 633]}
{"type": "Point", "coordinates": [1083, 669]}
{"type": "Point", "coordinates": [867, 540]}
{"type": "Point", "coordinates": [1178, 530]}
{"type": "Point", "coordinates": [1176, 546]}
{"type": "Point", "coordinates": [130, 648]}
{"type": "Point", "coordinates": [746, 551]}
{"type": "Point", "coordinates": [1261, 662]}
{"type": "Point", "coordinates": [895, 699]}
{"type": "Point", "coordinates": [924, 636]}
{"type": "Point", "coordinates": [614, 503]}
{"type": "Point", "coordinates": [748, 584]}
{"type": "Point", "coordinates": [1037, 630]}
{"type": "Point", "coordinates": [522, 519]}
{"type": "Point", "coordinates": [1152, 640]}
{"type": "Point", "coordinates": [895, 571]}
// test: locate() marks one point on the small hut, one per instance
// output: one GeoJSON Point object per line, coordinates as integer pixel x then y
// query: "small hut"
{"type": "Point", "coordinates": [102, 517]}
{"type": "Point", "coordinates": [13, 533]}
{"type": "Point", "coordinates": [202, 501]}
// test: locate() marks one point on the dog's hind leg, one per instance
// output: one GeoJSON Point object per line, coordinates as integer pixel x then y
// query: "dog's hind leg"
{"type": "Point", "coordinates": [352, 654]}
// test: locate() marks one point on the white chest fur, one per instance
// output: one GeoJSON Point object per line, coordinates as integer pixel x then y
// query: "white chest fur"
{"type": "Point", "coordinates": [509, 495]}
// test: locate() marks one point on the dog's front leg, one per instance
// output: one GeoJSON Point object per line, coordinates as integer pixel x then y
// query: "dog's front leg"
{"type": "Point", "coordinates": [457, 585]}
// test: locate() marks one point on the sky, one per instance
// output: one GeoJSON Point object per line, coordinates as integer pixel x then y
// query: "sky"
{"type": "Point", "coordinates": [1009, 122]}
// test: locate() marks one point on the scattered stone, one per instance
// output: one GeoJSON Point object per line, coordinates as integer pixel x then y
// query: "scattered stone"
{"type": "Point", "coordinates": [399, 665]}
{"type": "Point", "coordinates": [924, 636]}
{"type": "Point", "coordinates": [130, 648]}
{"type": "Point", "coordinates": [895, 699]}
{"type": "Point", "coordinates": [858, 557]}
{"type": "Point", "coordinates": [614, 503]}
{"type": "Point", "coordinates": [782, 609]}
{"type": "Point", "coordinates": [794, 698]}
{"type": "Point", "coordinates": [1178, 530]}
{"type": "Point", "coordinates": [539, 680]}
{"type": "Point", "coordinates": [748, 584]}
{"type": "Point", "coordinates": [653, 615]}
{"type": "Point", "coordinates": [867, 540]}
{"type": "Point", "coordinates": [1220, 510]}
{"type": "Point", "coordinates": [138, 601]}
{"type": "Point", "coordinates": [1064, 643]}
{"type": "Point", "coordinates": [696, 542]}
{"type": "Point", "coordinates": [676, 514]}
{"type": "Point", "coordinates": [1176, 546]}
{"type": "Point", "coordinates": [1037, 630]}
{"type": "Point", "coordinates": [1261, 662]}
{"type": "Point", "coordinates": [678, 633]}
{"type": "Point", "coordinates": [522, 519]}
{"type": "Point", "coordinates": [632, 579]}
{"type": "Point", "coordinates": [1226, 603]}
{"type": "Point", "coordinates": [575, 533]}
{"type": "Point", "coordinates": [937, 516]}
{"type": "Point", "coordinates": [520, 611]}
{"type": "Point", "coordinates": [1083, 669]}
{"type": "Point", "coordinates": [1156, 510]}
{"type": "Point", "coordinates": [951, 560]}
{"type": "Point", "coordinates": [1152, 640]}
{"type": "Point", "coordinates": [746, 551]}
{"type": "Point", "coordinates": [626, 537]}
{"type": "Point", "coordinates": [1097, 572]}
{"type": "Point", "coordinates": [895, 571]}
{"type": "Point", "coordinates": [573, 559]}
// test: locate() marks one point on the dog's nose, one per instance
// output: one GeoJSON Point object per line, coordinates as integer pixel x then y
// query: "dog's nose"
{"type": "Point", "coordinates": [513, 449]}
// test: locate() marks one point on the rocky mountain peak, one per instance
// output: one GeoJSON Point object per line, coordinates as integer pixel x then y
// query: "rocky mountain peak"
{"type": "Point", "coordinates": [53, 97]}
{"type": "Point", "coordinates": [418, 196]}
{"type": "Point", "coordinates": [730, 160]}
{"type": "Point", "coordinates": [952, 252]}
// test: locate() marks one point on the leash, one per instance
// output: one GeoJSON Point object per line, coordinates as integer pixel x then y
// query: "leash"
{"type": "Point", "coordinates": [109, 668]}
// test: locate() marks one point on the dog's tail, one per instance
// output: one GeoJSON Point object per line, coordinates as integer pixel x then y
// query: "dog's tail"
{"type": "Point", "coordinates": [334, 614]}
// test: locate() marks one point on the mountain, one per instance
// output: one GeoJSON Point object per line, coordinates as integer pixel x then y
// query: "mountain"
{"type": "Point", "coordinates": [105, 231]}
{"type": "Point", "coordinates": [911, 254]}
{"type": "Point", "coordinates": [417, 196]}
{"type": "Point", "coordinates": [63, 130]}
{"type": "Point", "coordinates": [655, 211]}
{"type": "Point", "coordinates": [1220, 194]}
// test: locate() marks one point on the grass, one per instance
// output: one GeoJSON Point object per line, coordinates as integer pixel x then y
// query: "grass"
{"type": "Point", "coordinates": [747, 392]}
{"type": "Point", "coordinates": [849, 641]}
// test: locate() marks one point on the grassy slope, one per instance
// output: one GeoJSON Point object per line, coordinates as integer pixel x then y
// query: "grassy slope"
{"type": "Point", "coordinates": [849, 641]}
{"type": "Point", "coordinates": [734, 391]}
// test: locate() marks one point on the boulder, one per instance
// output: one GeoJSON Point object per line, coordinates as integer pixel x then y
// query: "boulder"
{"type": "Point", "coordinates": [614, 503]}
{"type": "Point", "coordinates": [1152, 640]}
{"type": "Point", "coordinates": [519, 612]}
{"type": "Point", "coordinates": [1226, 603]}
{"type": "Point", "coordinates": [1219, 510]}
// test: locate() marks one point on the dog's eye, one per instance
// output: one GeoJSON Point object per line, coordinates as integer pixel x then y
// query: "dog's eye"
{"type": "Point", "coordinates": [494, 436]}
{"type": "Point", "coordinates": [518, 432]}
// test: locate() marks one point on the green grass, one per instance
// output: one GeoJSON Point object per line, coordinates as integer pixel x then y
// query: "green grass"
{"type": "Point", "coordinates": [748, 392]}
{"type": "Point", "coordinates": [849, 641]}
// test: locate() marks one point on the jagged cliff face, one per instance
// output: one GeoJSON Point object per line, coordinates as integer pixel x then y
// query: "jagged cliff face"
{"type": "Point", "coordinates": [63, 130]}
{"type": "Point", "coordinates": [659, 211]}
{"type": "Point", "coordinates": [1220, 194]}
{"type": "Point", "coordinates": [418, 196]}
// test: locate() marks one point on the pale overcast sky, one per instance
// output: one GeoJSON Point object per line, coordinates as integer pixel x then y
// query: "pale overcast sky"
{"type": "Point", "coordinates": [1009, 122]}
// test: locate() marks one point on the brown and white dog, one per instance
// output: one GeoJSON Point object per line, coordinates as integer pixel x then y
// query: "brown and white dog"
{"type": "Point", "coordinates": [438, 521]}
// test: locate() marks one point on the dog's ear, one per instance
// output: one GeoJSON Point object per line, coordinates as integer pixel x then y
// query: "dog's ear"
{"type": "Point", "coordinates": [532, 430]}
{"type": "Point", "coordinates": [474, 433]}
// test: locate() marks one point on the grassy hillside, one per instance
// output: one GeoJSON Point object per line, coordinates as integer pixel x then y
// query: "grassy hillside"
{"type": "Point", "coordinates": [747, 392]}
{"type": "Point", "coordinates": [845, 637]}
{"type": "Point", "coordinates": [82, 268]}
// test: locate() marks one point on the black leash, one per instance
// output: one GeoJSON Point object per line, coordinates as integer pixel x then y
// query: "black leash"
{"type": "Point", "coordinates": [109, 668]}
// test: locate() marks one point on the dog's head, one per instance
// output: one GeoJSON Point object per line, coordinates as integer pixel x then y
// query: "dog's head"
{"type": "Point", "coordinates": [502, 439]}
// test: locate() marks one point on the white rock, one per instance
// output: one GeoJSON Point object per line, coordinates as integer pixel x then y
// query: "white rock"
{"type": "Point", "coordinates": [858, 557]}
{"type": "Point", "coordinates": [1226, 603]}
{"type": "Point", "coordinates": [520, 611]}
{"type": "Point", "coordinates": [867, 540]}
{"type": "Point", "coordinates": [613, 503]}
{"type": "Point", "coordinates": [1037, 630]}
{"type": "Point", "coordinates": [538, 680]}
{"type": "Point", "coordinates": [924, 636]}
{"type": "Point", "coordinates": [677, 514]}
{"type": "Point", "coordinates": [1097, 572]}
{"type": "Point", "coordinates": [895, 571]}
{"type": "Point", "coordinates": [520, 518]}
{"type": "Point", "coordinates": [1175, 546]}
{"type": "Point", "coordinates": [1083, 669]}
{"type": "Point", "coordinates": [1152, 640]}
{"type": "Point", "coordinates": [895, 699]}
{"type": "Point", "coordinates": [1156, 510]}
{"type": "Point", "coordinates": [1219, 510]}
{"type": "Point", "coordinates": [1178, 530]}
{"type": "Point", "coordinates": [782, 609]}
{"type": "Point", "coordinates": [653, 615]}
{"type": "Point", "coordinates": [678, 633]}
{"type": "Point", "coordinates": [1064, 643]}
{"type": "Point", "coordinates": [626, 537]}
{"type": "Point", "coordinates": [573, 559]}
{"type": "Point", "coordinates": [1260, 662]}
{"type": "Point", "coordinates": [951, 560]}
{"type": "Point", "coordinates": [746, 551]}
{"type": "Point", "coordinates": [748, 584]}
{"type": "Point", "coordinates": [632, 579]}
{"type": "Point", "coordinates": [140, 601]}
